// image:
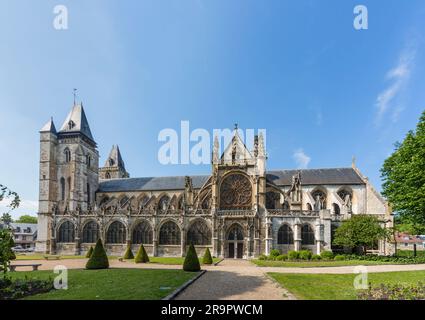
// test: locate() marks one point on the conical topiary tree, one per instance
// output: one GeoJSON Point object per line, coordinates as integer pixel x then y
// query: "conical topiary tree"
{"type": "Point", "coordinates": [207, 259]}
{"type": "Point", "coordinates": [191, 262]}
{"type": "Point", "coordinates": [89, 252]}
{"type": "Point", "coordinates": [128, 253]}
{"type": "Point", "coordinates": [141, 256]}
{"type": "Point", "coordinates": [98, 259]}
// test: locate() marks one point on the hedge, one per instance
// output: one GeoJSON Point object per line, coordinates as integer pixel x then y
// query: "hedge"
{"type": "Point", "coordinates": [99, 259]}
{"type": "Point", "coordinates": [191, 262]}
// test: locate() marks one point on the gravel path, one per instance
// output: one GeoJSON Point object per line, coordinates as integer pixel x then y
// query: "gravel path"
{"type": "Point", "coordinates": [234, 280]}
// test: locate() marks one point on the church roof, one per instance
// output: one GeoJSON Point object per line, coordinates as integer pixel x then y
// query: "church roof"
{"type": "Point", "coordinates": [149, 183]}
{"type": "Point", "coordinates": [115, 156]}
{"type": "Point", "coordinates": [76, 121]}
{"type": "Point", "coordinates": [335, 176]}
{"type": "Point", "coordinates": [49, 127]}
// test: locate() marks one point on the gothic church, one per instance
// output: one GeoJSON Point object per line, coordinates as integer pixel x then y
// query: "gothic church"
{"type": "Point", "coordinates": [239, 210]}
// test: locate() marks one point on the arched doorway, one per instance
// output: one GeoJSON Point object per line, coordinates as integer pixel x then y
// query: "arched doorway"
{"type": "Point", "coordinates": [235, 242]}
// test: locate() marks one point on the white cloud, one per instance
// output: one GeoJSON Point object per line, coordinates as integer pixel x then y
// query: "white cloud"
{"type": "Point", "coordinates": [25, 207]}
{"type": "Point", "coordinates": [301, 159]}
{"type": "Point", "coordinates": [399, 75]}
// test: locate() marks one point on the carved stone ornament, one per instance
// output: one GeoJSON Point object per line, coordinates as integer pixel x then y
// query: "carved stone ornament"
{"type": "Point", "coordinates": [235, 193]}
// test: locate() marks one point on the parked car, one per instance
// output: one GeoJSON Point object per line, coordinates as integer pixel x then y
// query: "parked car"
{"type": "Point", "coordinates": [18, 249]}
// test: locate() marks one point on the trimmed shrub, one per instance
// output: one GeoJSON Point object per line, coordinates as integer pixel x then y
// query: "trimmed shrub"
{"type": "Point", "coordinates": [207, 259]}
{"type": "Point", "coordinates": [128, 253]}
{"type": "Point", "coordinates": [282, 257]}
{"type": "Point", "coordinates": [262, 257]}
{"type": "Point", "coordinates": [141, 256]}
{"type": "Point", "coordinates": [327, 255]}
{"type": "Point", "coordinates": [305, 254]}
{"type": "Point", "coordinates": [316, 257]}
{"type": "Point", "coordinates": [274, 253]}
{"type": "Point", "coordinates": [293, 255]}
{"type": "Point", "coordinates": [98, 259]}
{"type": "Point", "coordinates": [89, 252]}
{"type": "Point", "coordinates": [339, 257]}
{"type": "Point", "coordinates": [191, 262]}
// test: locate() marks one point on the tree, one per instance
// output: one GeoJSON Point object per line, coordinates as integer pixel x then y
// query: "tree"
{"type": "Point", "coordinates": [403, 175]}
{"type": "Point", "coordinates": [6, 193]}
{"type": "Point", "coordinates": [207, 259]}
{"type": "Point", "coordinates": [6, 218]}
{"type": "Point", "coordinates": [360, 231]}
{"type": "Point", "coordinates": [191, 262]}
{"type": "Point", "coordinates": [99, 259]}
{"type": "Point", "coordinates": [6, 252]}
{"type": "Point", "coordinates": [27, 219]}
{"type": "Point", "coordinates": [141, 256]}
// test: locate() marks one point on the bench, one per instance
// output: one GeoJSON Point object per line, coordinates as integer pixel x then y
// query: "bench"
{"type": "Point", "coordinates": [33, 265]}
{"type": "Point", "coordinates": [52, 257]}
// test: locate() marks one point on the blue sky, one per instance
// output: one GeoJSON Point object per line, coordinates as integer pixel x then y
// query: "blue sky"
{"type": "Point", "coordinates": [323, 91]}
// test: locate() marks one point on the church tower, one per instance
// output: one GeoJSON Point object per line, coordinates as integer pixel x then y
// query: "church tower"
{"type": "Point", "coordinates": [69, 163]}
{"type": "Point", "coordinates": [114, 167]}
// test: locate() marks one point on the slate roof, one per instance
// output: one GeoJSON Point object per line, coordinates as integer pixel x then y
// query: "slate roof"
{"type": "Point", "coordinates": [149, 183]}
{"type": "Point", "coordinates": [333, 176]}
{"type": "Point", "coordinates": [336, 176]}
{"type": "Point", "coordinates": [80, 123]}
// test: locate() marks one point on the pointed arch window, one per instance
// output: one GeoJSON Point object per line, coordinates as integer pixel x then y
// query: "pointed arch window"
{"type": "Point", "coordinates": [199, 234]}
{"type": "Point", "coordinates": [67, 154]}
{"type": "Point", "coordinates": [169, 234]}
{"type": "Point", "coordinates": [116, 233]}
{"type": "Point", "coordinates": [307, 235]}
{"type": "Point", "coordinates": [285, 235]}
{"type": "Point", "coordinates": [90, 232]}
{"type": "Point", "coordinates": [66, 232]}
{"type": "Point", "coordinates": [143, 233]}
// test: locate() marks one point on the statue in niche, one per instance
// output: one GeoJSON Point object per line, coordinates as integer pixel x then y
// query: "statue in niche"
{"type": "Point", "coordinates": [347, 202]}
{"type": "Point", "coordinates": [295, 190]}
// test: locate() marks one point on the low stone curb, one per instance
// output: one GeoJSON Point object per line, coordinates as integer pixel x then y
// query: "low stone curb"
{"type": "Point", "coordinates": [288, 294]}
{"type": "Point", "coordinates": [218, 261]}
{"type": "Point", "coordinates": [176, 292]}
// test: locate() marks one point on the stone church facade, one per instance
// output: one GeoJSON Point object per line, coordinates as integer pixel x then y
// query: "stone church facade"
{"type": "Point", "coordinates": [239, 210]}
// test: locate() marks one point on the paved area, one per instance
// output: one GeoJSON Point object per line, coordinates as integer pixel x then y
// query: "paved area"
{"type": "Point", "coordinates": [234, 280]}
{"type": "Point", "coordinates": [230, 280]}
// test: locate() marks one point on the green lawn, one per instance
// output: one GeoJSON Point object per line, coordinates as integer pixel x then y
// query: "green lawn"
{"type": "Point", "coordinates": [173, 260]}
{"type": "Point", "coordinates": [157, 260]}
{"type": "Point", "coordinates": [41, 257]}
{"type": "Point", "coordinates": [116, 284]}
{"type": "Point", "coordinates": [338, 286]}
{"type": "Point", "coordinates": [319, 263]}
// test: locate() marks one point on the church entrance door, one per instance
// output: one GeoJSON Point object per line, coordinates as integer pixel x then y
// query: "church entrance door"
{"type": "Point", "coordinates": [235, 241]}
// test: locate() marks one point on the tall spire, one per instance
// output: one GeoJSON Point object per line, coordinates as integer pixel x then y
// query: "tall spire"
{"type": "Point", "coordinates": [114, 159]}
{"type": "Point", "coordinates": [49, 127]}
{"type": "Point", "coordinates": [76, 121]}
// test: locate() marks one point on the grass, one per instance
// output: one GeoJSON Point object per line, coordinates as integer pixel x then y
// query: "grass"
{"type": "Point", "coordinates": [173, 260]}
{"type": "Point", "coordinates": [157, 260]}
{"type": "Point", "coordinates": [41, 257]}
{"type": "Point", "coordinates": [112, 284]}
{"type": "Point", "coordinates": [319, 263]}
{"type": "Point", "coordinates": [338, 286]}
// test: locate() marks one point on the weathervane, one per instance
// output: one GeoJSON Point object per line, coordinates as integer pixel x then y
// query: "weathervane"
{"type": "Point", "coordinates": [75, 95]}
